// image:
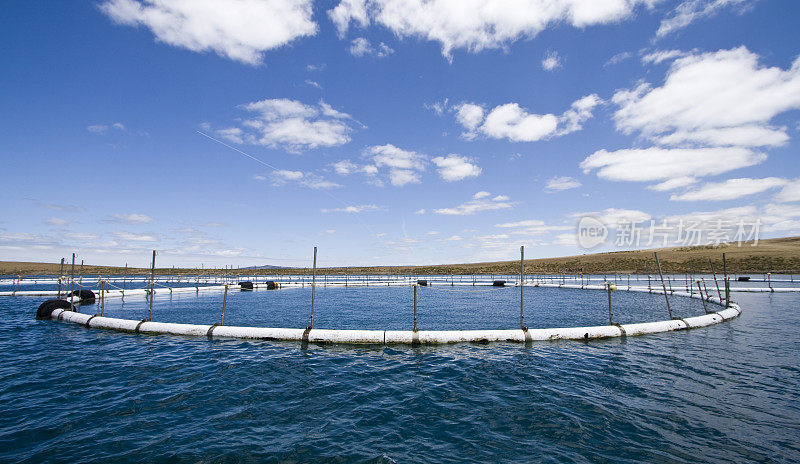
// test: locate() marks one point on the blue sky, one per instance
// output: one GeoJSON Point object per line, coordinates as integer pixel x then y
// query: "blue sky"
{"type": "Point", "coordinates": [391, 132]}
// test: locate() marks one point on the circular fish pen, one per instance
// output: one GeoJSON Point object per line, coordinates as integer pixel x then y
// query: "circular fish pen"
{"type": "Point", "coordinates": [481, 311]}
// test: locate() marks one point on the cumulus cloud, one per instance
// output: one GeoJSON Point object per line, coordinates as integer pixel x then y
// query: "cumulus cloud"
{"type": "Point", "coordinates": [455, 167]}
{"type": "Point", "coordinates": [691, 10]}
{"type": "Point", "coordinates": [660, 164]}
{"type": "Point", "coordinates": [561, 183]}
{"type": "Point", "coordinates": [723, 98]}
{"type": "Point", "coordinates": [405, 166]}
{"type": "Point", "coordinates": [481, 201]}
{"type": "Point", "coordinates": [512, 122]}
{"type": "Point", "coordinates": [241, 30]}
{"type": "Point", "coordinates": [708, 117]}
{"type": "Point", "coordinates": [281, 177]}
{"type": "Point", "coordinates": [291, 125]}
{"type": "Point", "coordinates": [730, 189]}
{"type": "Point", "coordinates": [362, 47]}
{"type": "Point", "coordinates": [552, 61]}
{"type": "Point", "coordinates": [476, 25]}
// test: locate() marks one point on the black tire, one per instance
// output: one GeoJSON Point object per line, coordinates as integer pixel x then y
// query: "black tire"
{"type": "Point", "coordinates": [272, 285]}
{"type": "Point", "coordinates": [86, 296]}
{"type": "Point", "coordinates": [499, 283]}
{"type": "Point", "coordinates": [422, 283]}
{"type": "Point", "coordinates": [46, 309]}
{"type": "Point", "coordinates": [246, 285]}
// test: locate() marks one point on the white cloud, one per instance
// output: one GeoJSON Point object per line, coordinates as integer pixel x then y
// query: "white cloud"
{"type": "Point", "coordinates": [352, 209]}
{"type": "Point", "coordinates": [131, 237]}
{"type": "Point", "coordinates": [420, 211]}
{"type": "Point", "coordinates": [404, 166]}
{"type": "Point", "coordinates": [552, 61]}
{"type": "Point", "coordinates": [281, 177]}
{"type": "Point", "coordinates": [618, 58]}
{"type": "Point", "coordinates": [132, 218]}
{"type": "Point", "coordinates": [672, 184]}
{"type": "Point", "coordinates": [723, 98]}
{"type": "Point", "coordinates": [730, 189]}
{"type": "Point", "coordinates": [558, 184]}
{"type": "Point", "coordinates": [613, 216]}
{"type": "Point", "coordinates": [97, 129]}
{"type": "Point", "coordinates": [58, 222]}
{"type": "Point", "coordinates": [475, 25]}
{"type": "Point", "coordinates": [240, 30]}
{"type": "Point", "coordinates": [531, 227]}
{"type": "Point", "coordinates": [455, 167]}
{"type": "Point", "coordinates": [345, 167]}
{"type": "Point", "coordinates": [480, 202]}
{"type": "Point", "coordinates": [470, 116]}
{"type": "Point", "coordinates": [313, 84]}
{"type": "Point", "coordinates": [659, 164]}
{"type": "Point", "coordinates": [515, 123]}
{"type": "Point", "coordinates": [362, 47]}
{"type": "Point", "coordinates": [790, 192]}
{"type": "Point", "coordinates": [291, 125]}
{"type": "Point", "coordinates": [692, 10]}
{"type": "Point", "coordinates": [659, 56]}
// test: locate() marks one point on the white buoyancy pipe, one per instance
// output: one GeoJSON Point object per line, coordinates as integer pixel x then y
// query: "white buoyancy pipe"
{"type": "Point", "coordinates": [406, 336]}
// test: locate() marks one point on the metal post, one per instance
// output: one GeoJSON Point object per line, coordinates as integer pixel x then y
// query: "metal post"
{"type": "Point", "coordinates": [102, 297]}
{"type": "Point", "coordinates": [610, 311]}
{"type": "Point", "coordinates": [313, 287]}
{"type": "Point", "coordinates": [727, 284]}
{"type": "Point", "coordinates": [60, 275]}
{"type": "Point", "coordinates": [700, 289]}
{"type": "Point", "coordinates": [72, 276]}
{"type": "Point", "coordinates": [769, 280]}
{"type": "Point", "coordinates": [521, 287]}
{"type": "Point", "coordinates": [658, 263]}
{"type": "Point", "coordinates": [415, 307]}
{"type": "Point", "coordinates": [719, 294]}
{"type": "Point", "coordinates": [152, 279]}
{"type": "Point", "coordinates": [224, 302]}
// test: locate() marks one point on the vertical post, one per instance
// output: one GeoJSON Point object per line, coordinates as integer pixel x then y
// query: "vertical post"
{"type": "Point", "coordinates": [521, 287]}
{"type": "Point", "coordinates": [124, 275]}
{"type": "Point", "coordinates": [102, 297]}
{"type": "Point", "coordinates": [224, 303]}
{"type": "Point", "coordinates": [727, 284]}
{"type": "Point", "coordinates": [700, 289]}
{"type": "Point", "coordinates": [415, 307]}
{"type": "Point", "coordinates": [658, 263]}
{"type": "Point", "coordinates": [152, 279]}
{"type": "Point", "coordinates": [72, 276]}
{"type": "Point", "coordinates": [610, 311]}
{"type": "Point", "coordinates": [60, 275]}
{"type": "Point", "coordinates": [769, 280]}
{"type": "Point", "coordinates": [714, 274]}
{"type": "Point", "coordinates": [313, 286]}
{"type": "Point", "coordinates": [80, 275]}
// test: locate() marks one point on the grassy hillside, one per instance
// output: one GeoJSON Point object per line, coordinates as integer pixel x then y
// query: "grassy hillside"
{"type": "Point", "coordinates": [776, 255]}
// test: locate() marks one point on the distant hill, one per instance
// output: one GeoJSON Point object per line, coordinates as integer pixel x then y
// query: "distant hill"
{"type": "Point", "coordinates": [771, 255]}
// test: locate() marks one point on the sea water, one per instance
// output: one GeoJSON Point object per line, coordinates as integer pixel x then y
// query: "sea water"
{"type": "Point", "coordinates": [725, 393]}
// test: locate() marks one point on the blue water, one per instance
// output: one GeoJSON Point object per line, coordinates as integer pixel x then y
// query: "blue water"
{"type": "Point", "coordinates": [726, 393]}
